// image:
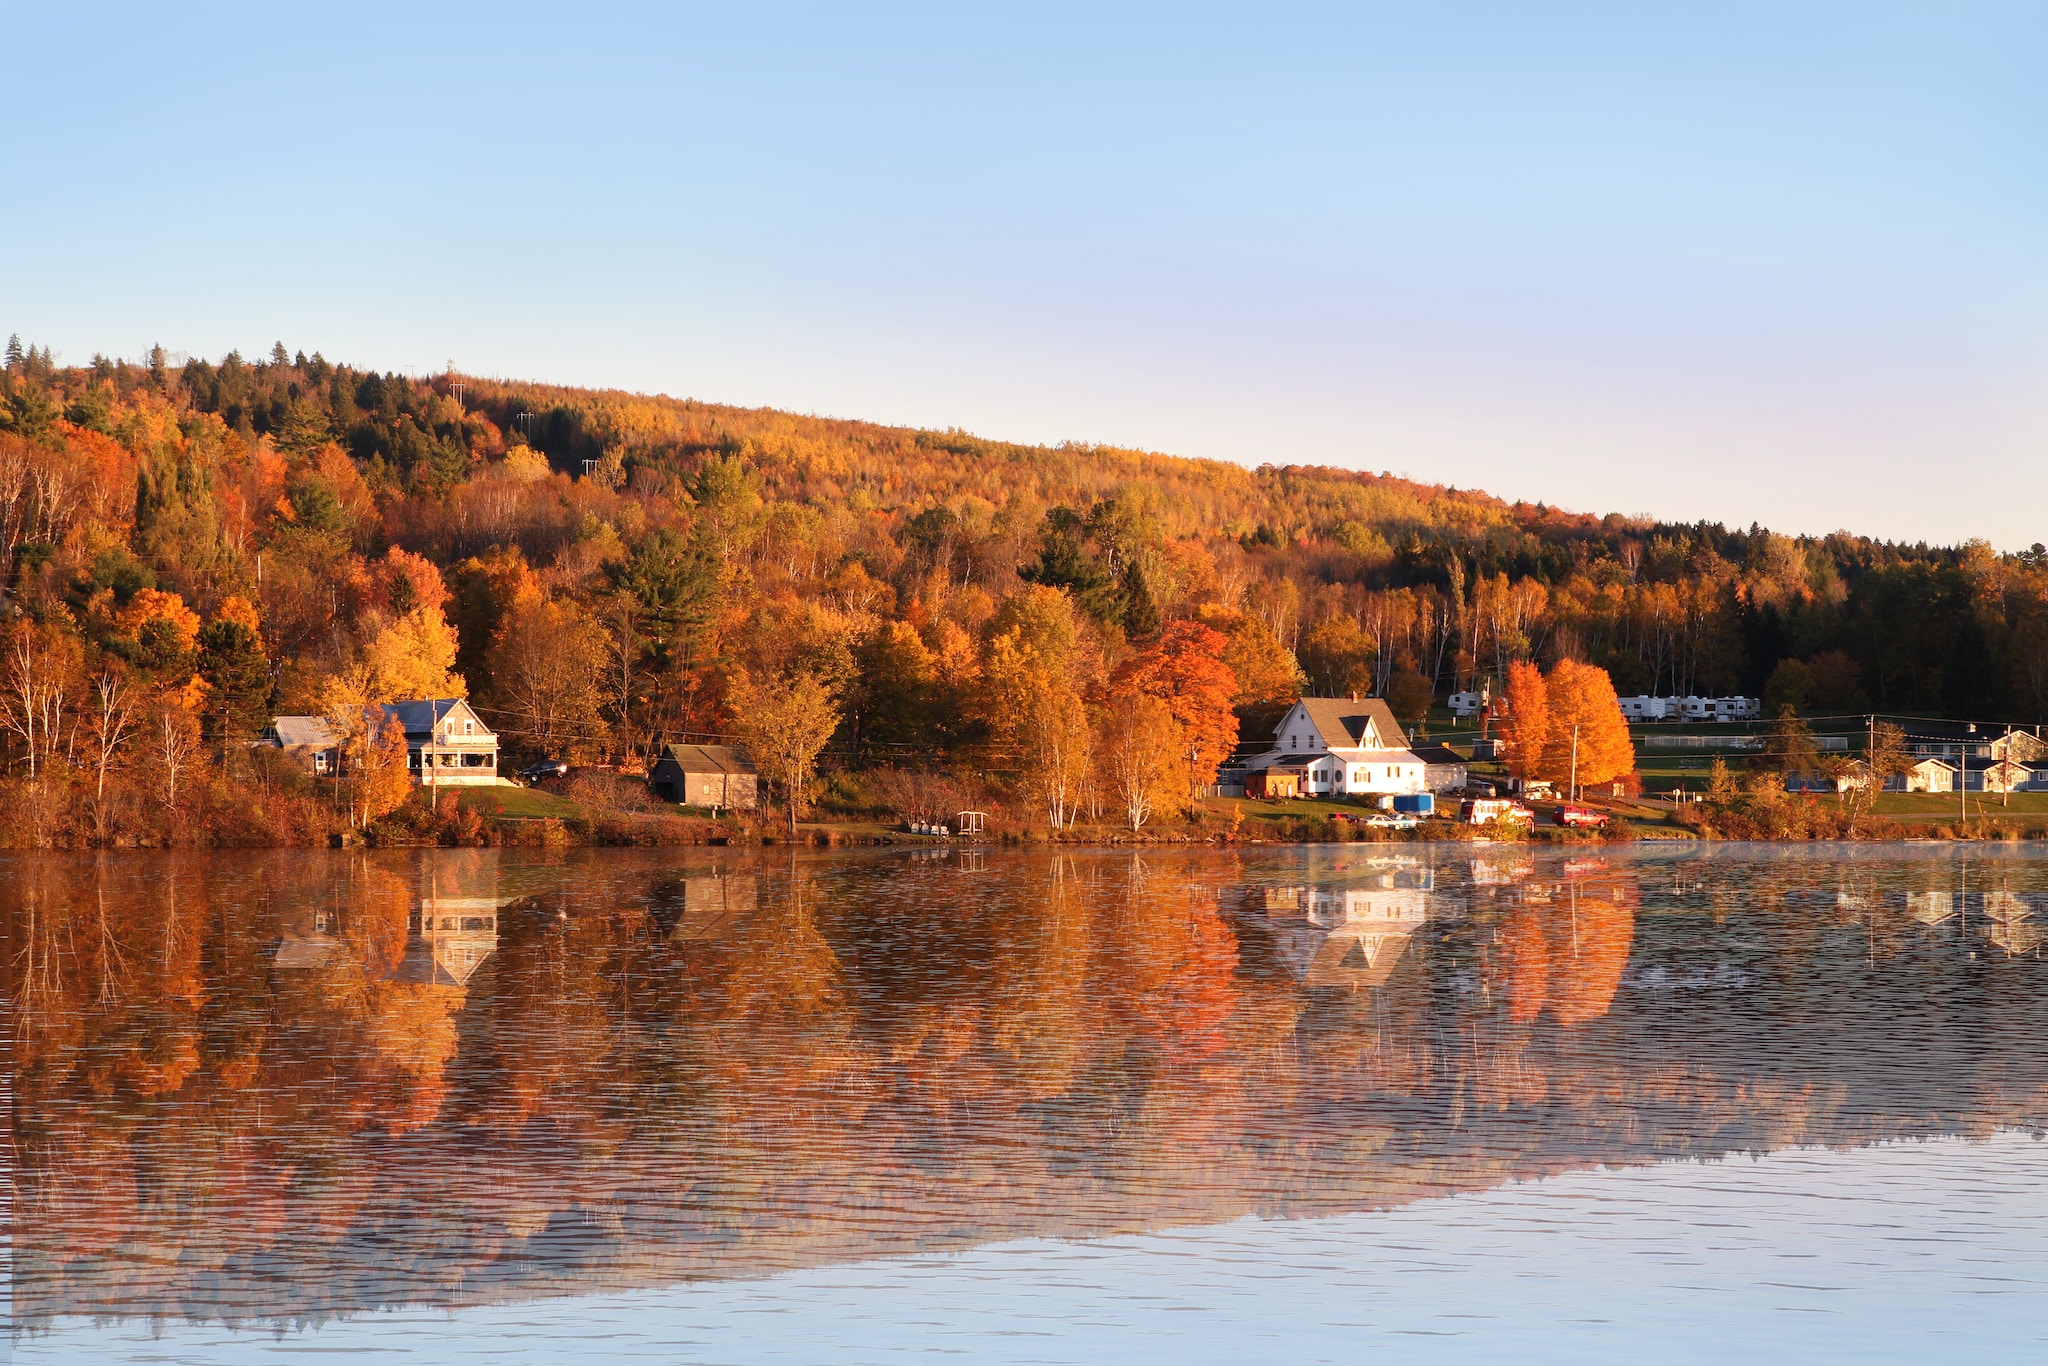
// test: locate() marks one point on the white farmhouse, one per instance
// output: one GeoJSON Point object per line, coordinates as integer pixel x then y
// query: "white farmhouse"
{"type": "Point", "coordinates": [447, 743]}
{"type": "Point", "coordinates": [1346, 747]}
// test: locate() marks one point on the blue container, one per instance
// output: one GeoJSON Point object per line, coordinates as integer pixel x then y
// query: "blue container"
{"type": "Point", "coordinates": [1416, 804]}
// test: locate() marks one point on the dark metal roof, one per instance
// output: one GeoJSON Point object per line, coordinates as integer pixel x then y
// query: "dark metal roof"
{"type": "Point", "coordinates": [706, 759]}
{"type": "Point", "coordinates": [420, 717]}
{"type": "Point", "coordinates": [1436, 752]}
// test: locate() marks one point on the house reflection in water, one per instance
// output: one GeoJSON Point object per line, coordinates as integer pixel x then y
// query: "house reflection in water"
{"type": "Point", "coordinates": [1351, 935]}
{"type": "Point", "coordinates": [309, 943]}
{"type": "Point", "coordinates": [705, 906]}
{"type": "Point", "coordinates": [2009, 922]}
{"type": "Point", "coordinates": [455, 927]}
{"type": "Point", "coordinates": [1930, 908]}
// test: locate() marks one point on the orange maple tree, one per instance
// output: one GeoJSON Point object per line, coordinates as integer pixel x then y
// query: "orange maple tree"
{"type": "Point", "coordinates": [1185, 670]}
{"type": "Point", "coordinates": [1582, 705]}
{"type": "Point", "coordinates": [1566, 726]}
{"type": "Point", "coordinates": [1525, 722]}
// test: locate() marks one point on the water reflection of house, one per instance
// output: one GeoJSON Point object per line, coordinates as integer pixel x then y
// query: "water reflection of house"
{"type": "Point", "coordinates": [1930, 908]}
{"type": "Point", "coordinates": [704, 906]}
{"type": "Point", "coordinates": [1500, 872]}
{"type": "Point", "coordinates": [309, 932]}
{"type": "Point", "coordinates": [455, 927]}
{"type": "Point", "coordinates": [2009, 922]}
{"type": "Point", "coordinates": [308, 939]}
{"type": "Point", "coordinates": [1348, 936]}
{"type": "Point", "coordinates": [456, 934]}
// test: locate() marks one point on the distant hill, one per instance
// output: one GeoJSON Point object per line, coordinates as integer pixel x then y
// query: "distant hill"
{"type": "Point", "coordinates": [193, 470]}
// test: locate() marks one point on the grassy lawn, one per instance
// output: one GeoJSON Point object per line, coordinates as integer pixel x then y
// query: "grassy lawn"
{"type": "Point", "coordinates": [1946, 805]}
{"type": "Point", "coordinates": [1300, 808]}
{"type": "Point", "coordinates": [518, 803]}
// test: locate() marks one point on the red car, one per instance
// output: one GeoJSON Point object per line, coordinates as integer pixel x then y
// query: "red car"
{"type": "Point", "coordinates": [1580, 817]}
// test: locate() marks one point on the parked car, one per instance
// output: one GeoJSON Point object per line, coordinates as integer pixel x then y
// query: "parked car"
{"type": "Point", "coordinates": [1387, 821]}
{"type": "Point", "coordinates": [544, 768]}
{"type": "Point", "coordinates": [1579, 817]}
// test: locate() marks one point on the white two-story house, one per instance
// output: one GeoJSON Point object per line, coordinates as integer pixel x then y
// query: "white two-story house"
{"type": "Point", "coordinates": [447, 743]}
{"type": "Point", "coordinates": [1345, 747]}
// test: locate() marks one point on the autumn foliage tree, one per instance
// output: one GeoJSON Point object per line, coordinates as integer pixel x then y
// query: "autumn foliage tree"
{"type": "Point", "coordinates": [1185, 670]}
{"type": "Point", "coordinates": [1565, 727]}
{"type": "Point", "coordinates": [374, 779]}
{"type": "Point", "coordinates": [545, 667]}
{"type": "Point", "coordinates": [1524, 714]}
{"type": "Point", "coordinates": [785, 724]}
{"type": "Point", "coordinates": [1031, 702]}
{"type": "Point", "coordinates": [1139, 743]}
{"type": "Point", "coordinates": [1589, 740]}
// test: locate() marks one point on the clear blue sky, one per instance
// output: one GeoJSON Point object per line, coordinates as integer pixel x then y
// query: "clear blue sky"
{"type": "Point", "coordinates": [1751, 262]}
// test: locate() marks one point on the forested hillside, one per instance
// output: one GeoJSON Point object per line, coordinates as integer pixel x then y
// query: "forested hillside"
{"type": "Point", "coordinates": [602, 571]}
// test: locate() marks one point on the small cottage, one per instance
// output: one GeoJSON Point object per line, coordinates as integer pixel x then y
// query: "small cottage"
{"type": "Point", "coordinates": [715, 776]}
{"type": "Point", "coordinates": [1927, 775]}
{"type": "Point", "coordinates": [308, 741]}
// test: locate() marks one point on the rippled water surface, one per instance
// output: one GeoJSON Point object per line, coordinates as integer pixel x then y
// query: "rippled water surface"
{"type": "Point", "coordinates": [1204, 1106]}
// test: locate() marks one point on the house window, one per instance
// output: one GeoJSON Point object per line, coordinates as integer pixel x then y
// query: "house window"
{"type": "Point", "coordinates": [469, 728]}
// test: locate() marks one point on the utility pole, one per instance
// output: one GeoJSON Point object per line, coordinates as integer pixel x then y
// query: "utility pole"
{"type": "Point", "coordinates": [1963, 772]}
{"type": "Point", "coordinates": [1575, 762]}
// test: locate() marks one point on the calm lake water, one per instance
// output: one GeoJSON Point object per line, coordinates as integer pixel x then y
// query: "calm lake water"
{"type": "Point", "coordinates": [1462, 1102]}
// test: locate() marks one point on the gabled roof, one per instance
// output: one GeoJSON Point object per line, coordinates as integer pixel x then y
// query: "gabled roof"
{"type": "Point", "coordinates": [1341, 721]}
{"type": "Point", "coordinates": [708, 759]}
{"type": "Point", "coordinates": [419, 718]}
{"type": "Point", "coordinates": [293, 731]}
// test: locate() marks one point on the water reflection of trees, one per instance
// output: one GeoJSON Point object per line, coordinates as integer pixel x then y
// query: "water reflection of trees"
{"type": "Point", "coordinates": [240, 1093]}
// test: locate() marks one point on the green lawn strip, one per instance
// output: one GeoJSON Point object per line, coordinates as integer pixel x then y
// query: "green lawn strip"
{"type": "Point", "coordinates": [1299, 808]}
{"type": "Point", "coordinates": [519, 803]}
{"type": "Point", "coordinates": [1948, 805]}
